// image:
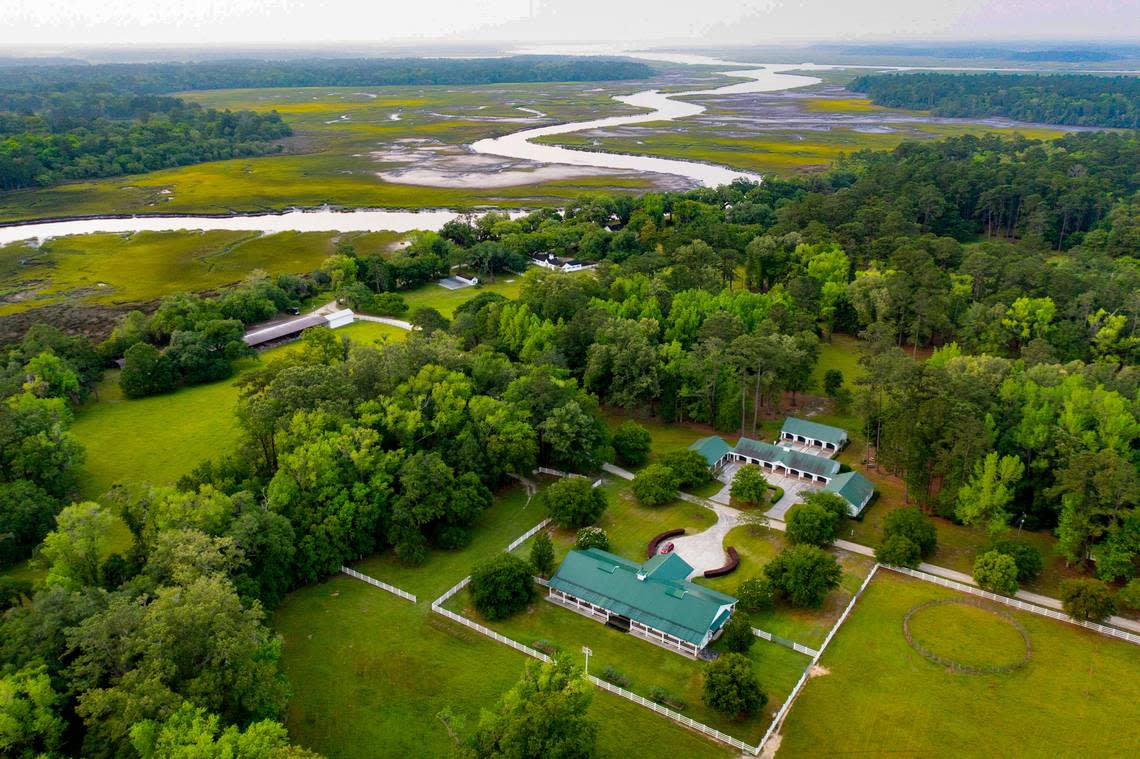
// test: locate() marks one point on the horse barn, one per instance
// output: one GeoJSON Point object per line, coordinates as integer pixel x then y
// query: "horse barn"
{"type": "Point", "coordinates": [803, 432]}
{"type": "Point", "coordinates": [268, 335]}
{"type": "Point", "coordinates": [653, 601]}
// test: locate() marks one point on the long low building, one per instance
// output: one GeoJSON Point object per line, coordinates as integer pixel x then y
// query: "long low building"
{"type": "Point", "coordinates": [805, 432]}
{"type": "Point", "coordinates": [261, 337]}
{"type": "Point", "coordinates": [653, 601]}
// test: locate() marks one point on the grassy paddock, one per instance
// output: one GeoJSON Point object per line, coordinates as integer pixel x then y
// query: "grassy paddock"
{"type": "Point", "coordinates": [648, 666]}
{"type": "Point", "coordinates": [385, 668]}
{"type": "Point", "coordinates": [158, 439]}
{"type": "Point", "coordinates": [1076, 697]}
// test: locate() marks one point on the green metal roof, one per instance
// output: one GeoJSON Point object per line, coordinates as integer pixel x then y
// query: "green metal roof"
{"type": "Point", "coordinates": [649, 593]}
{"type": "Point", "coordinates": [712, 448]}
{"type": "Point", "coordinates": [853, 488]}
{"type": "Point", "coordinates": [798, 460]}
{"type": "Point", "coordinates": [815, 430]}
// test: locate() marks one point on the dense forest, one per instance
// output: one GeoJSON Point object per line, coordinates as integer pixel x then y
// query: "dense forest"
{"type": "Point", "coordinates": [1071, 99]}
{"type": "Point", "coordinates": [154, 78]}
{"type": "Point", "coordinates": [1015, 260]}
{"type": "Point", "coordinates": [54, 136]}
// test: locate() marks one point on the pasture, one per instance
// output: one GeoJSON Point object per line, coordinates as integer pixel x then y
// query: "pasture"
{"type": "Point", "coordinates": [1076, 696]}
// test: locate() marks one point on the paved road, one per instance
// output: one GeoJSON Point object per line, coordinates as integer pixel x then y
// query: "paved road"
{"type": "Point", "coordinates": [385, 320]}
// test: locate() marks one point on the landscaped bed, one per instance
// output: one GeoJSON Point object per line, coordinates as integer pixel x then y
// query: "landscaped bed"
{"type": "Point", "coordinates": [1076, 696]}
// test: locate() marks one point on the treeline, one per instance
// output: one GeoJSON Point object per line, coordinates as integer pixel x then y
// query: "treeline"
{"type": "Point", "coordinates": [54, 136]}
{"type": "Point", "coordinates": [151, 78]}
{"type": "Point", "coordinates": [1070, 99]}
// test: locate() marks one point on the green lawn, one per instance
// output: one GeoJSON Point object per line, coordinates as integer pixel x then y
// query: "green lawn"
{"type": "Point", "coordinates": [648, 666]}
{"type": "Point", "coordinates": [158, 439]}
{"type": "Point", "coordinates": [446, 301]}
{"type": "Point", "coordinates": [875, 695]}
{"type": "Point", "coordinates": [371, 672]}
{"type": "Point", "coordinates": [630, 525]}
{"type": "Point", "coordinates": [842, 353]}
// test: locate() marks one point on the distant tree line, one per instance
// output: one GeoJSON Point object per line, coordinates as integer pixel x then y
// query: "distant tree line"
{"type": "Point", "coordinates": [1072, 99]}
{"type": "Point", "coordinates": [154, 78]}
{"type": "Point", "coordinates": [54, 136]}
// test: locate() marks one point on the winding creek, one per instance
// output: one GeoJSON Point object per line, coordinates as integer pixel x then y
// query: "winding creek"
{"type": "Point", "coordinates": [517, 145]}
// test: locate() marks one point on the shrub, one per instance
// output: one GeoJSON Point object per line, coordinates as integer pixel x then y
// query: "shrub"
{"type": "Point", "coordinates": [655, 484]}
{"type": "Point", "coordinates": [831, 503]}
{"type": "Point", "coordinates": [900, 551]}
{"type": "Point", "coordinates": [389, 304]}
{"type": "Point", "coordinates": [689, 467]}
{"type": "Point", "coordinates": [754, 594]}
{"type": "Point", "coordinates": [996, 572]}
{"type": "Point", "coordinates": [912, 524]}
{"type": "Point", "coordinates": [542, 554]}
{"type": "Point", "coordinates": [1129, 595]}
{"type": "Point", "coordinates": [731, 687]}
{"type": "Point", "coordinates": [631, 443]}
{"type": "Point", "coordinates": [1026, 557]}
{"type": "Point", "coordinates": [573, 503]}
{"type": "Point", "coordinates": [146, 371]}
{"type": "Point", "coordinates": [428, 320]}
{"type": "Point", "coordinates": [804, 575]}
{"type": "Point", "coordinates": [1087, 599]}
{"type": "Point", "coordinates": [592, 537]}
{"type": "Point", "coordinates": [737, 635]}
{"type": "Point", "coordinates": [615, 677]}
{"type": "Point", "coordinates": [547, 647]}
{"type": "Point", "coordinates": [810, 524]}
{"type": "Point", "coordinates": [501, 586]}
{"type": "Point", "coordinates": [659, 695]}
{"type": "Point", "coordinates": [749, 485]}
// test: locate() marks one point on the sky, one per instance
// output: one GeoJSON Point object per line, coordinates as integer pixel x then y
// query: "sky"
{"type": "Point", "coordinates": [699, 22]}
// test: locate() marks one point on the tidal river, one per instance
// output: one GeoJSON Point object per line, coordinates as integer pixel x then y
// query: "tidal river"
{"type": "Point", "coordinates": [659, 107]}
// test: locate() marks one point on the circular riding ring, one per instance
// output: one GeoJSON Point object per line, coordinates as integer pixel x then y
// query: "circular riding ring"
{"type": "Point", "coordinates": [958, 666]}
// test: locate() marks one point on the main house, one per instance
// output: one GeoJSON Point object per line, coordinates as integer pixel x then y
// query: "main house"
{"type": "Point", "coordinates": [653, 601]}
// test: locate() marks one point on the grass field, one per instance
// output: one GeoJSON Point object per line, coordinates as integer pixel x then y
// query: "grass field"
{"type": "Point", "coordinates": [386, 667]}
{"type": "Point", "coordinates": [158, 439]}
{"type": "Point", "coordinates": [1076, 697]}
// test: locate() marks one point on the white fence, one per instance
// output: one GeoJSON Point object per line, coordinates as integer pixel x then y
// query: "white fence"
{"type": "Point", "coordinates": [783, 712]}
{"type": "Point", "coordinates": [379, 584]}
{"type": "Point", "coordinates": [798, 648]}
{"type": "Point", "coordinates": [617, 471]}
{"type": "Point", "coordinates": [1017, 604]}
{"type": "Point", "coordinates": [559, 473]}
{"type": "Point", "coordinates": [675, 716]}
{"type": "Point", "coordinates": [528, 534]}
{"type": "Point", "coordinates": [489, 633]}
{"type": "Point", "coordinates": [451, 592]}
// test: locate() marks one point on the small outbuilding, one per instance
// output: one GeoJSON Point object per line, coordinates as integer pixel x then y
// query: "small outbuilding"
{"type": "Point", "coordinates": [854, 488]}
{"type": "Point", "coordinates": [714, 449]}
{"type": "Point", "coordinates": [653, 601]}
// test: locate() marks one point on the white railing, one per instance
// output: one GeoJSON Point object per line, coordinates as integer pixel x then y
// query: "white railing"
{"type": "Point", "coordinates": [489, 633]}
{"type": "Point", "coordinates": [528, 534]}
{"type": "Point", "coordinates": [451, 592]}
{"type": "Point", "coordinates": [379, 584]}
{"type": "Point", "coordinates": [559, 473]}
{"type": "Point", "coordinates": [783, 711]}
{"type": "Point", "coordinates": [797, 647]}
{"type": "Point", "coordinates": [1017, 603]}
{"type": "Point", "coordinates": [617, 471]}
{"type": "Point", "coordinates": [675, 716]}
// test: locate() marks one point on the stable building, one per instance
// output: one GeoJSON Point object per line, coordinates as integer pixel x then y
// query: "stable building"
{"type": "Point", "coordinates": [786, 461]}
{"type": "Point", "coordinates": [822, 436]}
{"type": "Point", "coordinates": [854, 488]}
{"type": "Point", "coordinates": [653, 601]}
{"type": "Point", "coordinates": [715, 451]}
{"type": "Point", "coordinates": [274, 334]}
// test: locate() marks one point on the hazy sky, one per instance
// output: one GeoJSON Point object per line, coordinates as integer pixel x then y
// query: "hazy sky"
{"type": "Point", "coordinates": [147, 22]}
